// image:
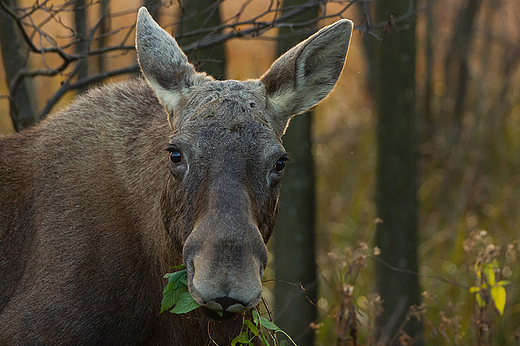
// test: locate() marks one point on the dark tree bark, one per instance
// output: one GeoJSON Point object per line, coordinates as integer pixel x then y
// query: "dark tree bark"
{"type": "Point", "coordinates": [82, 44]}
{"type": "Point", "coordinates": [103, 29]}
{"type": "Point", "coordinates": [369, 44]}
{"type": "Point", "coordinates": [294, 242]}
{"type": "Point", "coordinates": [153, 7]}
{"type": "Point", "coordinates": [15, 58]}
{"type": "Point", "coordinates": [197, 14]}
{"type": "Point", "coordinates": [428, 124]}
{"type": "Point", "coordinates": [396, 190]}
{"type": "Point", "coordinates": [457, 66]}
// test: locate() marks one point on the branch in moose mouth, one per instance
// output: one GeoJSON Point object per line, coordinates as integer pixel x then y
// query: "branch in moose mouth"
{"type": "Point", "coordinates": [176, 295]}
{"type": "Point", "coordinates": [177, 298]}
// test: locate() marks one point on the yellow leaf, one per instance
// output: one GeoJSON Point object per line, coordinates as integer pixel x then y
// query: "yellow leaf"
{"type": "Point", "coordinates": [499, 297]}
{"type": "Point", "coordinates": [503, 283]}
{"type": "Point", "coordinates": [480, 301]}
{"type": "Point", "coordinates": [477, 270]}
{"type": "Point", "coordinates": [474, 289]}
{"type": "Point", "coordinates": [490, 275]}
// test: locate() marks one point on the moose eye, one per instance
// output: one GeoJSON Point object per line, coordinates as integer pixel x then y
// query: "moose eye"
{"type": "Point", "coordinates": [280, 164]}
{"type": "Point", "coordinates": [175, 156]}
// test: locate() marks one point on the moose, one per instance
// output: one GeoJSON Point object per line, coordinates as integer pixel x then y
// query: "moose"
{"type": "Point", "coordinates": [99, 201]}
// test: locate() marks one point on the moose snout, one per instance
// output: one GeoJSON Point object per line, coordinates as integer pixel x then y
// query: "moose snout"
{"type": "Point", "coordinates": [225, 269]}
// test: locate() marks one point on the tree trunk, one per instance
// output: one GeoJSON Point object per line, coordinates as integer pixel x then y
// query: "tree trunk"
{"type": "Point", "coordinates": [21, 102]}
{"type": "Point", "coordinates": [294, 240]}
{"type": "Point", "coordinates": [457, 67]}
{"type": "Point", "coordinates": [80, 20]}
{"type": "Point", "coordinates": [103, 29]}
{"type": "Point", "coordinates": [153, 7]}
{"type": "Point", "coordinates": [396, 190]}
{"type": "Point", "coordinates": [196, 15]}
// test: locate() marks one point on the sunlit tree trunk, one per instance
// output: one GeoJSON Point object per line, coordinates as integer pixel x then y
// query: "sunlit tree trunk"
{"type": "Point", "coordinates": [15, 58]}
{"type": "Point", "coordinates": [294, 242]}
{"type": "Point", "coordinates": [196, 15]}
{"type": "Point", "coordinates": [396, 187]}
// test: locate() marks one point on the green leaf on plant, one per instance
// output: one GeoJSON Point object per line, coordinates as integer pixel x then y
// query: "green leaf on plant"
{"type": "Point", "coordinates": [264, 322]}
{"type": "Point", "coordinates": [256, 317]}
{"type": "Point", "coordinates": [179, 267]}
{"type": "Point", "coordinates": [242, 338]}
{"type": "Point", "coordinates": [185, 304]}
{"type": "Point", "coordinates": [252, 327]}
{"type": "Point", "coordinates": [499, 297]}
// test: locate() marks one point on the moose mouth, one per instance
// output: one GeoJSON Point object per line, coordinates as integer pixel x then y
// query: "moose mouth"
{"type": "Point", "coordinates": [220, 315]}
{"type": "Point", "coordinates": [223, 304]}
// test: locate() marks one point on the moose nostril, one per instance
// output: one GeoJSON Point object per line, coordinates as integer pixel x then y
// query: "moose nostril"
{"type": "Point", "coordinates": [226, 302]}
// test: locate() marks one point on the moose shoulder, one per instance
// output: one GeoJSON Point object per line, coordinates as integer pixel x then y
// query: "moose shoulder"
{"type": "Point", "coordinates": [94, 211]}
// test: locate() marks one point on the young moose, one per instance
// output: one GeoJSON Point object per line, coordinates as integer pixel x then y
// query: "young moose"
{"type": "Point", "coordinates": [94, 211]}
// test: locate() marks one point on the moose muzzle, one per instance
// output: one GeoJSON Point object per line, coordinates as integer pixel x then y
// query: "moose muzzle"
{"type": "Point", "coordinates": [225, 255]}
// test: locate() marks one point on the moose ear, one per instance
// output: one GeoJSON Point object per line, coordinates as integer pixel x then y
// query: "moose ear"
{"type": "Point", "coordinates": [163, 63]}
{"type": "Point", "coordinates": [306, 74]}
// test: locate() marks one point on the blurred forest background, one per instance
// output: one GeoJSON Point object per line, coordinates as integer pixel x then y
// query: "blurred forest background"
{"type": "Point", "coordinates": [400, 207]}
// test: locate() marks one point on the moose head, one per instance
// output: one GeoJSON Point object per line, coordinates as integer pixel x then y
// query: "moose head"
{"type": "Point", "coordinates": [226, 154]}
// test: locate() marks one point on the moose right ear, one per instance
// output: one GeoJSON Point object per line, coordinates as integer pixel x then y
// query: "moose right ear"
{"type": "Point", "coordinates": [163, 63]}
{"type": "Point", "coordinates": [307, 73]}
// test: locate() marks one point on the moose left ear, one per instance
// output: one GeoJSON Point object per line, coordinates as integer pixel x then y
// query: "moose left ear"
{"type": "Point", "coordinates": [307, 73]}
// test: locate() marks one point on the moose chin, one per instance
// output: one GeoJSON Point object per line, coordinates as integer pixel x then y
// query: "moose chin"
{"type": "Point", "coordinates": [99, 201]}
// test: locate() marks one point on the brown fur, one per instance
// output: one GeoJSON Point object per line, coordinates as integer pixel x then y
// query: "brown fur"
{"type": "Point", "coordinates": [93, 213]}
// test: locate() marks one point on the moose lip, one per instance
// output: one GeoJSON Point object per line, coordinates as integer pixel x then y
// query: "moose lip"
{"type": "Point", "coordinates": [226, 315]}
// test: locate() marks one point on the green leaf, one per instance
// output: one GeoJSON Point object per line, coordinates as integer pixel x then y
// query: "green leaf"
{"type": "Point", "coordinates": [179, 276]}
{"type": "Point", "coordinates": [179, 267]}
{"type": "Point", "coordinates": [220, 312]}
{"type": "Point", "coordinates": [171, 295]}
{"type": "Point", "coordinates": [251, 327]}
{"type": "Point", "coordinates": [242, 338]}
{"type": "Point", "coordinates": [499, 297]}
{"type": "Point", "coordinates": [503, 282]}
{"type": "Point", "coordinates": [256, 317]}
{"type": "Point", "coordinates": [185, 304]}
{"type": "Point", "coordinates": [175, 287]}
{"type": "Point", "coordinates": [264, 322]}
